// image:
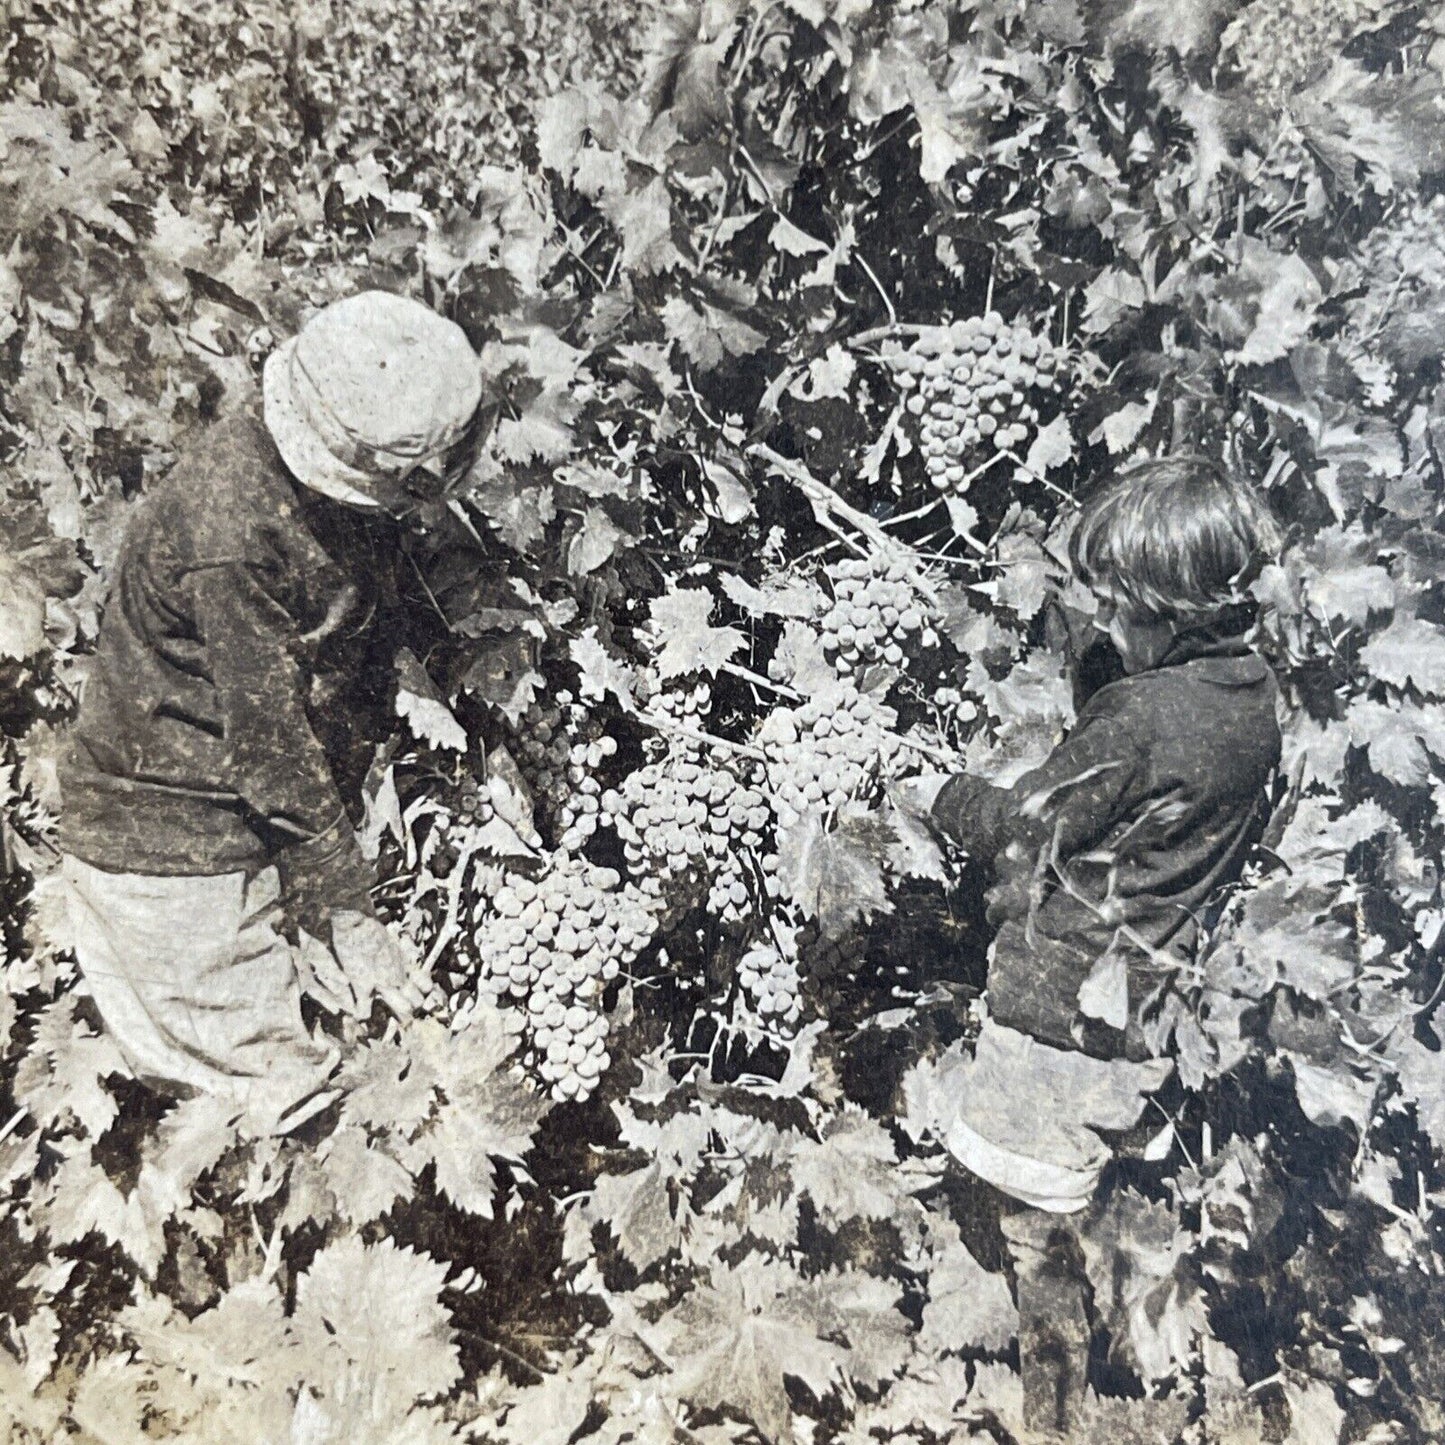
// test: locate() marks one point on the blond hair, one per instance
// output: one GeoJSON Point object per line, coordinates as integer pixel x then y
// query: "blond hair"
{"type": "Point", "coordinates": [1176, 539]}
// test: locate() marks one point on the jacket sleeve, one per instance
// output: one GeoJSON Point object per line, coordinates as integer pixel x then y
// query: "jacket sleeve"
{"type": "Point", "coordinates": [278, 766]}
{"type": "Point", "coordinates": [1077, 794]}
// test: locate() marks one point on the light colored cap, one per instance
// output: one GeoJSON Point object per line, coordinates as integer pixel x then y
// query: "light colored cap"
{"type": "Point", "coordinates": [371, 388]}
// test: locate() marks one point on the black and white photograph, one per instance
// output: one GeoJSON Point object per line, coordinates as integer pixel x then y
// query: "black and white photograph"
{"type": "Point", "coordinates": [722, 722]}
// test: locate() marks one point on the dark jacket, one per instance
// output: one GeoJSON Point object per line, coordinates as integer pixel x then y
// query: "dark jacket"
{"type": "Point", "coordinates": [1130, 827]}
{"type": "Point", "coordinates": [193, 752]}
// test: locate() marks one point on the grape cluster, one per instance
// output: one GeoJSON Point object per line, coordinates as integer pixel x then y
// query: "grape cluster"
{"type": "Point", "coordinates": [770, 982]}
{"type": "Point", "coordinates": [831, 748]}
{"type": "Point", "coordinates": [977, 386]}
{"type": "Point", "coordinates": [680, 815]}
{"type": "Point", "coordinates": [580, 812]}
{"type": "Point", "coordinates": [841, 954]}
{"type": "Point", "coordinates": [874, 615]}
{"type": "Point", "coordinates": [556, 941]}
{"type": "Point", "coordinates": [690, 706]}
{"type": "Point", "coordinates": [472, 806]}
{"type": "Point", "coordinates": [558, 744]}
{"type": "Point", "coordinates": [1280, 45]}
{"type": "Point", "coordinates": [541, 744]}
{"type": "Point", "coordinates": [1401, 267]}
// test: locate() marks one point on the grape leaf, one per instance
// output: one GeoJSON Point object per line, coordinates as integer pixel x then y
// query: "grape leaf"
{"type": "Point", "coordinates": [799, 659]}
{"type": "Point", "coordinates": [791, 597]}
{"type": "Point", "coordinates": [1053, 447]}
{"type": "Point", "coordinates": [552, 1412]}
{"type": "Point", "coordinates": [848, 1173]}
{"type": "Point", "coordinates": [188, 1143]}
{"type": "Point", "coordinates": [600, 672]}
{"type": "Point", "coordinates": [595, 541]}
{"type": "Point", "coordinates": [1422, 1081]}
{"type": "Point", "coordinates": [81, 1200]}
{"type": "Point", "coordinates": [377, 1307]}
{"type": "Point", "coordinates": [22, 610]}
{"type": "Point", "coordinates": [968, 1308]}
{"type": "Point", "coordinates": [644, 221]}
{"type": "Point", "coordinates": [733, 1339]}
{"type": "Point", "coordinates": [1137, 1258]}
{"type": "Point", "coordinates": [365, 1180]}
{"type": "Point", "coordinates": [707, 333]}
{"type": "Point", "coordinates": [385, 1090]}
{"type": "Point", "coordinates": [637, 1208]}
{"type": "Point", "coordinates": [40, 1340]}
{"type": "Point", "coordinates": [1315, 1416]}
{"type": "Point", "coordinates": [1408, 651]}
{"type": "Point", "coordinates": [791, 241]}
{"type": "Point", "coordinates": [419, 702]}
{"type": "Point", "coordinates": [1104, 994]}
{"type": "Point", "coordinates": [1400, 740]}
{"type": "Point", "coordinates": [914, 853]}
{"type": "Point", "coordinates": [518, 510]}
{"type": "Point", "coordinates": [836, 875]}
{"type": "Point", "coordinates": [64, 1069]}
{"type": "Point", "coordinates": [689, 643]}
{"type": "Point", "coordinates": [1267, 306]}
{"type": "Point", "coordinates": [487, 1114]}
{"type": "Point", "coordinates": [1146, 24]}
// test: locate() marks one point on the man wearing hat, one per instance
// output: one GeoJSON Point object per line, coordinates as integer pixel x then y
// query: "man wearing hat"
{"type": "Point", "coordinates": [199, 806]}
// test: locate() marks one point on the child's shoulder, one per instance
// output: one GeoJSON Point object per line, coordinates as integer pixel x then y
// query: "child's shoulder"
{"type": "Point", "coordinates": [1192, 694]}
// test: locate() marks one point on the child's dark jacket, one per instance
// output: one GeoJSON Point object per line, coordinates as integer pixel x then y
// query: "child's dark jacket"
{"type": "Point", "coordinates": [193, 752]}
{"type": "Point", "coordinates": [1147, 808]}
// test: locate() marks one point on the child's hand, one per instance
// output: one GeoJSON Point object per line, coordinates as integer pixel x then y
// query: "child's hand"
{"type": "Point", "coordinates": [375, 964]}
{"type": "Point", "coordinates": [916, 796]}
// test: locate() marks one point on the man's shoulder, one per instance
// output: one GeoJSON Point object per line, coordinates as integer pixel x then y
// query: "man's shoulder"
{"type": "Point", "coordinates": [227, 484]}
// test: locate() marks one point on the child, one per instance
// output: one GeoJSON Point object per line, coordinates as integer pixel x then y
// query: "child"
{"type": "Point", "coordinates": [198, 800]}
{"type": "Point", "coordinates": [1107, 854]}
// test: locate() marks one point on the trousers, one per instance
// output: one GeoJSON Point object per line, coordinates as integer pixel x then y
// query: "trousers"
{"type": "Point", "coordinates": [1055, 1331]}
{"type": "Point", "coordinates": [198, 987]}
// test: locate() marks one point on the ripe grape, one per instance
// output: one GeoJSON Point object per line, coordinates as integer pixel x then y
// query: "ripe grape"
{"type": "Point", "coordinates": [686, 815]}
{"type": "Point", "coordinates": [1400, 268]}
{"type": "Point", "coordinates": [553, 943]}
{"type": "Point", "coordinates": [876, 612]}
{"type": "Point", "coordinates": [976, 387]}
{"type": "Point", "coordinates": [1280, 45]}
{"type": "Point", "coordinates": [831, 748]}
{"type": "Point", "coordinates": [770, 983]}
{"type": "Point", "coordinates": [558, 745]}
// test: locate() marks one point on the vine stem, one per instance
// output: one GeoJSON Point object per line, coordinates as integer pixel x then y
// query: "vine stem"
{"type": "Point", "coordinates": [894, 328]}
{"type": "Point", "coordinates": [507, 1354]}
{"type": "Point", "coordinates": [15, 1121]}
{"type": "Point", "coordinates": [872, 275]}
{"type": "Point", "coordinates": [826, 501]}
{"type": "Point", "coordinates": [666, 725]}
{"type": "Point", "coordinates": [758, 680]}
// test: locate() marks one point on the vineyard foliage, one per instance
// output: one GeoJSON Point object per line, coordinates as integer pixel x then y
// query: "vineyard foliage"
{"type": "Point", "coordinates": [804, 323]}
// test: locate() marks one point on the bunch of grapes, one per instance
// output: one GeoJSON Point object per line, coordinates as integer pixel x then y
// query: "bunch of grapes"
{"type": "Point", "coordinates": [840, 954]}
{"type": "Point", "coordinates": [833, 747]}
{"type": "Point", "coordinates": [770, 982]}
{"type": "Point", "coordinates": [541, 745]}
{"type": "Point", "coordinates": [977, 385]}
{"type": "Point", "coordinates": [557, 744]}
{"type": "Point", "coordinates": [579, 814]}
{"type": "Point", "coordinates": [555, 942]}
{"type": "Point", "coordinates": [875, 613]}
{"type": "Point", "coordinates": [681, 815]}
{"type": "Point", "coordinates": [472, 807]}
{"type": "Point", "coordinates": [1280, 45]}
{"type": "Point", "coordinates": [1401, 268]}
{"type": "Point", "coordinates": [690, 706]}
